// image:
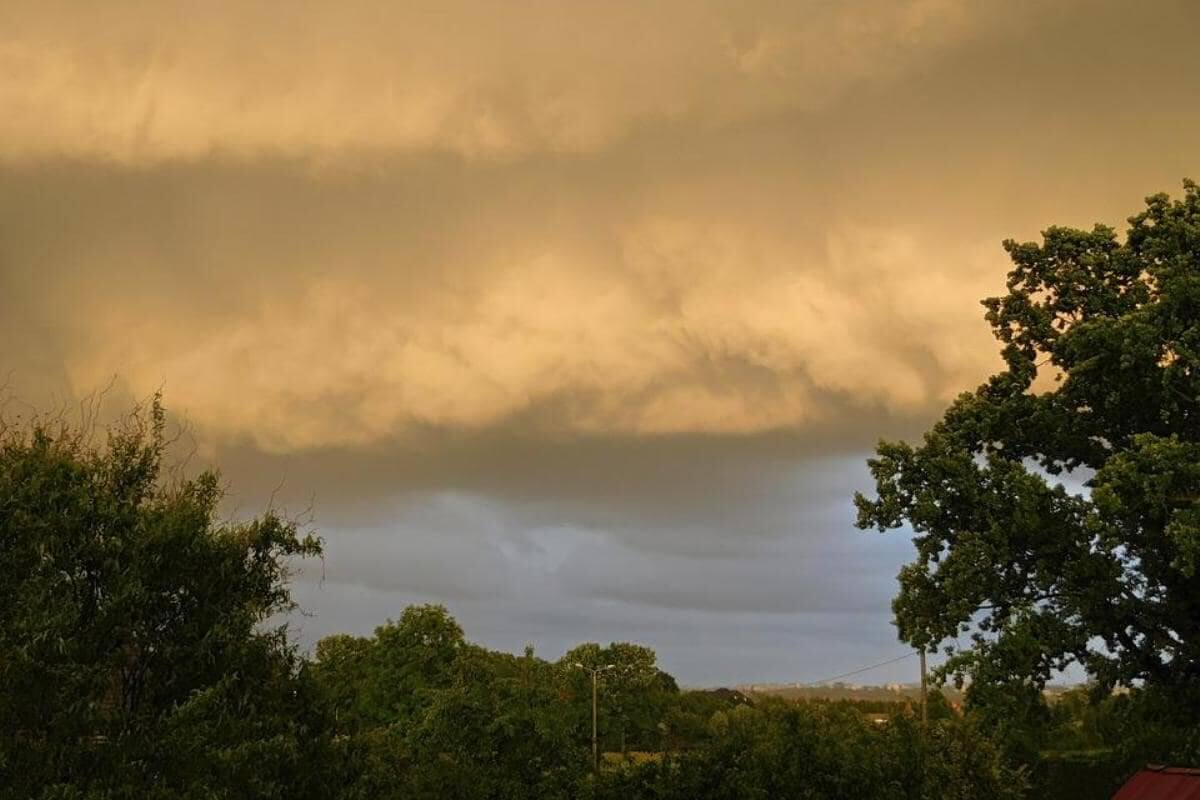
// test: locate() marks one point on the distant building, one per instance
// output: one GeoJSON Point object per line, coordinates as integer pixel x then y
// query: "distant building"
{"type": "Point", "coordinates": [1161, 783]}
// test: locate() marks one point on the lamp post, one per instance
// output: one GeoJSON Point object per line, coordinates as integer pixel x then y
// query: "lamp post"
{"type": "Point", "coordinates": [595, 745]}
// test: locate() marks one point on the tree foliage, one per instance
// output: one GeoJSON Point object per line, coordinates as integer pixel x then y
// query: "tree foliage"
{"type": "Point", "coordinates": [827, 751]}
{"type": "Point", "coordinates": [633, 697]}
{"type": "Point", "coordinates": [499, 730]}
{"type": "Point", "coordinates": [1101, 346]}
{"type": "Point", "coordinates": [135, 661]}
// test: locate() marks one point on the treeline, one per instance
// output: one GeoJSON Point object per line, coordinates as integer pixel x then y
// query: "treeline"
{"type": "Point", "coordinates": [418, 711]}
{"type": "Point", "coordinates": [138, 659]}
{"type": "Point", "coordinates": [937, 706]}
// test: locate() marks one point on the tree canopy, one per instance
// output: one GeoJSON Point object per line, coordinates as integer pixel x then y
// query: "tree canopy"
{"type": "Point", "coordinates": [1056, 508]}
{"type": "Point", "coordinates": [636, 693]}
{"type": "Point", "coordinates": [136, 657]}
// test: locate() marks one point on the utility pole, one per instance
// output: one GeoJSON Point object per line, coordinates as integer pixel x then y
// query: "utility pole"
{"type": "Point", "coordinates": [595, 740]}
{"type": "Point", "coordinates": [924, 693]}
{"type": "Point", "coordinates": [595, 744]}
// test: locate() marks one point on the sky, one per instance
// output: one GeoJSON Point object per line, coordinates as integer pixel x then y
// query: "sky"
{"type": "Point", "coordinates": [580, 318]}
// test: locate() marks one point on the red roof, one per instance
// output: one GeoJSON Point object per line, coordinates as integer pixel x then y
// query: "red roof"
{"type": "Point", "coordinates": [1162, 783]}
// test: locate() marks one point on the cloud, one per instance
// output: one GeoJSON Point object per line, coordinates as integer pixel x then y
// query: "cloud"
{"type": "Point", "coordinates": [774, 269]}
{"type": "Point", "coordinates": [513, 571]}
{"type": "Point", "coordinates": [133, 83]}
{"type": "Point", "coordinates": [269, 318]}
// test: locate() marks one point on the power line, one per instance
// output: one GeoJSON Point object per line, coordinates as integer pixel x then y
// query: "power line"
{"type": "Point", "coordinates": [863, 669]}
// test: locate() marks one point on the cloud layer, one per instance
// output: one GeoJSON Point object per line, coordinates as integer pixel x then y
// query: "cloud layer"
{"type": "Point", "coordinates": [134, 83]}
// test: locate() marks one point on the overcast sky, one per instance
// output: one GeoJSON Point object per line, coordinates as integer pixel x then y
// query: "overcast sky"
{"type": "Point", "coordinates": [577, 317]}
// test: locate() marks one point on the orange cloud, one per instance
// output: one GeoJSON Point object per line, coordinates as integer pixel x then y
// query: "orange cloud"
{"type": "Point", "coordinates": [143, 83]}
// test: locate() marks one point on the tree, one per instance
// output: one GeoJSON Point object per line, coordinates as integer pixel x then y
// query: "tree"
{"type": "Point", "coordinates": [637, 693]}
{"type": "Point", "coordinates": [341, 669]}
{"type": "Point", "coordinates": [1101, 345]}
{"type": "Point", "coordinates": [634, 692]}
{"type": "Point", "coordinates": [134, 654]}
{"type": "Point", "coordinates": [499, 729]}
{"type": "Point", "coordinates": [689, 714]}
{"type": "Point", "coordinates": [408, 659]}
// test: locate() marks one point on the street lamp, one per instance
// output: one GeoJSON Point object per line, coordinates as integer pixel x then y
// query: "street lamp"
{"type": "Point", "coordinates": [595, 675]}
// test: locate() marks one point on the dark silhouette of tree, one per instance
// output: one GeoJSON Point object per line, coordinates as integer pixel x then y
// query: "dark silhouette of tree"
{"type": "Point", "coordinates": [135, 657]}
{"type": "Point", "coordinates": [1101, 344]}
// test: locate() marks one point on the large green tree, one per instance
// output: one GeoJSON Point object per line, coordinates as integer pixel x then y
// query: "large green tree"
{"type": "Point", "coordinates": [423, 713]}
{"type": "Point", "coordinates": [633, 697]}
{"type": "Point", "coordinates": [1101, 382]}
{"type": "Point", "coordinates": [499, 730]}
{"type": "Point", "coordinates": [136, 659]}
{"type": "Point", "coordinates": [388, 679]}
